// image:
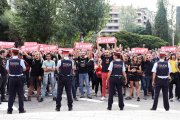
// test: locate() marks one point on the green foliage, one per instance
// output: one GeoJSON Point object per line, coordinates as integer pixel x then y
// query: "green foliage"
{"type": "Point", "coordinates": [161, 23]}
{"type": "Point", "coordinates": [140, 30]}
{"type": "Point", "coordinates": [80, 16]}
{"type": "Point", "coordinates": [127, 18]}
{"type": "Point", "coordinates": [3, 6]}
{"type": "Point", "coordinates": [131, 40]}
{"type": "Point", "coordinates": [38, 18]}
{"type": "Point", "coordinates": [148, 28]}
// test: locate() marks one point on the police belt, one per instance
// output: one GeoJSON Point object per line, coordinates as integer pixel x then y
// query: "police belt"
{"type": "Point", "coordinates": [119, 76]}
{"type": "Point", "coordinates": [15, 75]}
{"type": "Point", "coordinates": [65, 75]}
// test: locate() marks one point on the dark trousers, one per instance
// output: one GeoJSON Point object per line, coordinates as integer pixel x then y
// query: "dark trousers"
{"type": "Point", "coordinates": [97, 82]}
{"type": "Point", "coordinates": [74, 86]}
{"type": "Point", "coordinates": [164, 85]}
{"type": "Point", "coordinates": [115, 84]}
{"type": "Point", "coordinates": [3, 85]}
{"type": "Point", "coordinates": [174, 80]}
{"type": "Point", "coordinates": [64, 82]}
{"type": "Point", "coordinates": [16, 85]}
{"type": "Point", "coordinates": [91, 78]}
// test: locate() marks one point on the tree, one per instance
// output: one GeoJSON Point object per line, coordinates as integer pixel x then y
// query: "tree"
{"type": "Point", "coordinates": [148, 28]}
{"type": "Point", "coordinates": [3, 6]}
{"type": "Point", "coordinates": [161, 23]}
{"type": "Point", "coordinates": [81, 16]}
{"type": "Point", "coordinates": [38, 18]}
{"type": "Point", "coordinates": [127, 18]}
{"type": "Point", "coordinates": [3, 24]}
{"type": "Point", "coordinates": [140, 30]}
{"type": "Point", "coordinates": [131, 40]}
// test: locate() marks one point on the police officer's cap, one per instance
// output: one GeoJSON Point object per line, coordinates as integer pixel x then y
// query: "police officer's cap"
{"type": "Point", "coordinates": [162, 54]}
{"type": "Point", "coordinates": [15, 50]}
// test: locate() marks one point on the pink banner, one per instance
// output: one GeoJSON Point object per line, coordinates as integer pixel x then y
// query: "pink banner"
{"type": "Point", "coordinates": [83, 46]}
{"type": "Point", "coordinates": [104, 40]}
{"type": "Point", "coordinates": [66, 49]}
{"type": "Point", "coordinates": [6, 44]}
{"type": "Point", "coordinates": [139, 50]}
{"type": "Point", "coordinates": [30, 43]}
{"type": "Point", "coordinates": [30, 48]}
{"type": "Point", "coordinates": [48, 47]}
{"type": "Point", "coordinates": [168, 49]}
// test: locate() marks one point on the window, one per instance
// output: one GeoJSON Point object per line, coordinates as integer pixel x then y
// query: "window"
{"type": "Point", "coordinates": [109, 27]}
{"type": "Point", "coordinates": [145, 17]}
{"type": "Point", "coordinates": [139, 14]}
{"type": "Point", "coordinates": [144, 23]}
{"type": "Point", "coordinates": [116, 27]}
{"type": "Point", "coordinates": [139, 20]}
{"type": "Point", "coordinates": [115, 21]}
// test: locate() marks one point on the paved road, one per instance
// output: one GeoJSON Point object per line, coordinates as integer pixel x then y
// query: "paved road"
{"type": "Point", "coordinates": [92, 108]}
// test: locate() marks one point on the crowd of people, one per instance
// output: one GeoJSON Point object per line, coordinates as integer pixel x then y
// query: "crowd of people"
{"type": "Point", "coordinates": [95, 70]}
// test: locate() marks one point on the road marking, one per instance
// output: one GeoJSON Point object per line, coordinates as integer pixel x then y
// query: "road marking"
{"type": "Point", "coordinates": [128, 105]}
{"type": "Point", "coordinates": [91, 100]}
{"type": "Point", "coordinates": [4, 106]}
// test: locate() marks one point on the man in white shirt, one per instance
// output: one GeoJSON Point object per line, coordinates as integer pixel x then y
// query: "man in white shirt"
{"type": "Point", "coordinates": [49, 68]}
{"type": "Point", "coordinates": [161, 76]}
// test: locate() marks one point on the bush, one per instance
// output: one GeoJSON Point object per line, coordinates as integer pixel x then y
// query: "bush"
{"type": "Point", "coordinates": [131, 40]}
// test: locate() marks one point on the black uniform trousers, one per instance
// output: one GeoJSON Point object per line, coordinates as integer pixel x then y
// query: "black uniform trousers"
{"type": "Point", "coordinates": [115, 83]}
{"type": "Point", "coordinates": [175, 79]}
{"type": "Point", "coordinates": [3, 85]}
{"type": "Point", "coordinates": [64, 81]}
{"type": "Point", "coordinates": [164, 85]}
{"type": "Point", "coordinates": [16, 85]}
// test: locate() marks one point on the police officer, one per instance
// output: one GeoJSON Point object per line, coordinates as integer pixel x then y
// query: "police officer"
{"type": "Point", "coordinates": [116, 72]}
{"type": "Point", "coordinates": [65, 68]}
{"type": "Point", "coordinates": [161, 75]}
{"type": "Point", "coordinates": [15, 68]}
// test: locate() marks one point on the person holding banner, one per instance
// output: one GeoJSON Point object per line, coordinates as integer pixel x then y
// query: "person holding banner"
{"type": "Point", "coordinates": [3, 73]}
{"type": "Point", "coordinates": [174, 76]}
{"type": "Point", "coordinates": [36, 73]}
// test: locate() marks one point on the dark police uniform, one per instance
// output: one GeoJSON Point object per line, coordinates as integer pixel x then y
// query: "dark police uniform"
{"type": "Point", "coordinates": [15, 67]}
{"type": "Point", "coordinates": [117, 68]}
{"type": "Point", "coordinates": [65, 76]}
{"type": "Point", "coordinates": [162, 70]}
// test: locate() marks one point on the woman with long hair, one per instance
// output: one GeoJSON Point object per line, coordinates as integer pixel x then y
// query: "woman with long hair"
{"type": "Point", "coordinates": [134, 68]}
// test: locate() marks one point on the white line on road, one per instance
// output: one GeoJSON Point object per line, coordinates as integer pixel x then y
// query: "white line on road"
{"type": "Point", "coordinates": [4, 106]}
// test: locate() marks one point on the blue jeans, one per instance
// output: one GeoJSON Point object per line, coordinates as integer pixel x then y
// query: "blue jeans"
{"type": "Point", "coordinates": [45, 83]}
{"type": "Point", "coordinates": [145, 82]}
{"type": "Point", "coordinates": [74, 86]}
{"type": "Point", "coordinates": [84, 77]}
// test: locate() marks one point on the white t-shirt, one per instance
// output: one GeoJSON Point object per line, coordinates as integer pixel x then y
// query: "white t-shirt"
{"type": "Point", "coordinates": [48, 64]}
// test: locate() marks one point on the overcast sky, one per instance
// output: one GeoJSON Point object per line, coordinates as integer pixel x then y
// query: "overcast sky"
{"type": "Point", "coordinates": [151, 4]}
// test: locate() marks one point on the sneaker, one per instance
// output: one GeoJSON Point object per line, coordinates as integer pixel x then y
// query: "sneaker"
{"type": "Point", "coordinates": [57, 109]}
{"type": "Point", "coordinates": [145, 98]}
{"type": "Point", "coordinates": [103, 98]}
{"type": "Point", "coordinates": [171, 100]}
{"type": "Point", "coordinates": [41, 100]}
{"type": "Point", "coordinates": [54, 98]}
{"type": "Point", "coordinates": [128, 98]}
{"type": "Point", "coordinates": [109, 108]}
{"type": "Point", "coordinates": [82, 96]}
{"type": "Point", "coordinates": [89, 97]}
{"type": "Point", "coordinates": [138, 99]}
{"type": "Point", "coordinates": [23, 111]}
{"type": "Point", "coordinates": [75, 99]}
{"type": "Point", "coordinates": [70, 109]}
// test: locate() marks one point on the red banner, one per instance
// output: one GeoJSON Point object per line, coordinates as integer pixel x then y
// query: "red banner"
{"type": "Point", "coordinates": [104, 40]}
{"type": "Point", "coordinates": [48, 47]}
{"type": "Point", "coordinates": [139, 50]}
{"type": "Point", "coordinates": [168, 49]}
{"type": "Point", "coordinates": [30, 48]}
{"type": "Point", "coordinates": [6, 44]}
{"type": "Point", "coordinates": [83, 46]}
{"type": "Point", "coordinates": [66, 49]}
{"type": "Point", "coordinates": [30, 43]}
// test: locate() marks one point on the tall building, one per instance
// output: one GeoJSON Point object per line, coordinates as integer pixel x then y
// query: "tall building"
{"type": "Point", "coordinates": [113, 25]}
{"type": "Point", "coordinates": [143, 15]}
